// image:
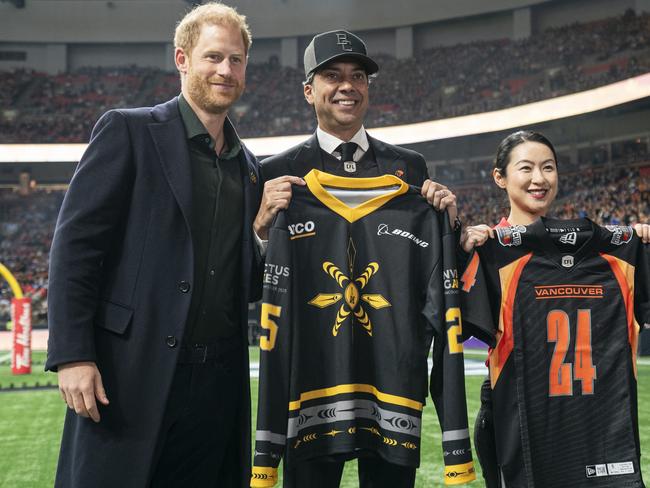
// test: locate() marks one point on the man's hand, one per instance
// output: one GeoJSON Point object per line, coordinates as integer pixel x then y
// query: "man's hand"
{"type": "Point", "coordinates": [79, 385]}
{"type": "Point", "coordinates": [276, 197]}
{"type": "Point", "coordinates": [440, 197]}
{"type": "Point", "coordinates": [475, 236]}
{"type": "Point", "coordinates": [643, 231]}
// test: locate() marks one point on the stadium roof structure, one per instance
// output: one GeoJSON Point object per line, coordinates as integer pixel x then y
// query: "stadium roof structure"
{"type": "Point", "coordinates": [523, 115]}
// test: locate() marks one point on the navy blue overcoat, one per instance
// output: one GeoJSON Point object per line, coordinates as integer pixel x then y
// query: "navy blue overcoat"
{"type": "Point", "coordinates": [120, 265]}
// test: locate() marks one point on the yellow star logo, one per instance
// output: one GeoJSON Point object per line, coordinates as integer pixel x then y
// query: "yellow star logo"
{"type": "Point", "coordinates": [351, 294]}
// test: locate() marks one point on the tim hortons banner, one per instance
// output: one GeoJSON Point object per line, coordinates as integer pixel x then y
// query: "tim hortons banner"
{"type": "Point", "coordinates": [21, 315]}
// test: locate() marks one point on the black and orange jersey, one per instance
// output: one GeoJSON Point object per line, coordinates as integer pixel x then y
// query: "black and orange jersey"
{"type": "Point", "coordinates": [354, 294]}
{"type": "Point", "coordinates": [561, 302]}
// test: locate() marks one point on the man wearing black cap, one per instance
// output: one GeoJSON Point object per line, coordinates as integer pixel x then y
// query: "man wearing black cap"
{"type": "Point", "coordinates": [338, 71]}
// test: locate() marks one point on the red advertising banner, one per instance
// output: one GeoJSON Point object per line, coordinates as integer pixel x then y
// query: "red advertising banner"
{"type": "Point", "coordinates": [21, 316]}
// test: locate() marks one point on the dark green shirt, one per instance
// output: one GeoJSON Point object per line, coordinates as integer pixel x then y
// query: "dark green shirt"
{"type": "Point", "coordinates": [216, 226]}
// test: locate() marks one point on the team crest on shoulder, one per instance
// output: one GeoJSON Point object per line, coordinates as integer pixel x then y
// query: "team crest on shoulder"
{"type": "Point", "coordinates": [621, 234]}
{"type": "Point", "coordinates": [510, 236]}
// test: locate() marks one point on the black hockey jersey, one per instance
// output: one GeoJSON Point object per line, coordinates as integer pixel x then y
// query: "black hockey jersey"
{"type": "Point", "coordinates": [562, 301]}
{"type": "Point", "coordinates": [353, 296]}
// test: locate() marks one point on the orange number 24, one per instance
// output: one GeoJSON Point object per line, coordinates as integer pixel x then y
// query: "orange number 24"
{"type": "Point", "coordinates": [562, 375]}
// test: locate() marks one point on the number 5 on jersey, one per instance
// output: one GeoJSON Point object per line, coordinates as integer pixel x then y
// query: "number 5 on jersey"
{"type": "Point", "coordinates": [268, 311]}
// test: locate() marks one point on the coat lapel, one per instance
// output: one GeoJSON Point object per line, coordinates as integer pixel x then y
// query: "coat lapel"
{"type": "Point", "coordinates": [388, 159]}
{"type": "Point", "coordinates": [307, 158]}
{"type": "Point", "coordinates": [169, 138]}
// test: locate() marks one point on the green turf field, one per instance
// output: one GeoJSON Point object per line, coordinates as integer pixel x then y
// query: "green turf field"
{"type": "Point", "coordinates": [31, 422]}
{"type": "Point", "coordinates": [38, 376]}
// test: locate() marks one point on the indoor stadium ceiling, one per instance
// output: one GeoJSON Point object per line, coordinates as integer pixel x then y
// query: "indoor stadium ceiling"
{"type": "Point", "coordinates": [153, 18]}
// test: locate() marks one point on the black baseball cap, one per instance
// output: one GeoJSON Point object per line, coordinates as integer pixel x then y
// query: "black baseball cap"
{"type": "Point", "coordinates": [328, 46]}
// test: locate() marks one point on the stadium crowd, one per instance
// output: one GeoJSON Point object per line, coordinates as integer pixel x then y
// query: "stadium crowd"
{"type": "Point", "coordinates": [26, 229]}
{"type": "Point", "coordinates": [616, 196]}
{"type": "Point", "coordinates": [605, 193]}
{"type": "Point", "coordinates": [437, 83]}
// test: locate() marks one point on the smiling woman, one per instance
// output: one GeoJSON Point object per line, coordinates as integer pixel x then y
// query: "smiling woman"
{"type": "Point", "coordinates": [526, 168]}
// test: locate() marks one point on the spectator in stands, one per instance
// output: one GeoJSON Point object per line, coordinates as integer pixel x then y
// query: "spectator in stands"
{"type": "Point", "coordinates": [581, 195]}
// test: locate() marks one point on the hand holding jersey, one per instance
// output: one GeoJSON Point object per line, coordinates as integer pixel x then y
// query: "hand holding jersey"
{"type": "Point", "coordinates": [643, 231]}
{"type": "Point", "coordinates": [357, 284]}
{"type": "Point", "coordinates": [276, 197]}
{"type": "Point", "coordinates": [440, 198]}
{"type": "Point", "coordinates": [338, 72]}
{"type": "Point", "coordinates": [561, 302]}
{"type": "Point", "coordinates": [526, 169]}
{"type": "Point", "coordinates": [475, 236]}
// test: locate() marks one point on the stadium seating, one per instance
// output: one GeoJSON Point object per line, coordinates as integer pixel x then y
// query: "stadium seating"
{"type": "Point", "coordinates": [28, 221]}
{"type": "Point", "coordinates": [622, 197]}
{"type": "Point", "coordinates": [437, 83]}
{"type": "Point", "coordinates": [26, 228]}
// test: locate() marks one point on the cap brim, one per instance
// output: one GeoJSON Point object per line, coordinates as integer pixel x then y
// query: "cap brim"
{"type": "Point", "coordinates": [369, 65]}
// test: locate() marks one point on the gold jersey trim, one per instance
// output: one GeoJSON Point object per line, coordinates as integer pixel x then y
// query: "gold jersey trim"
{"type": "Point", "coordinates": [355, 388]}
{"type": "Point", "coordinates": [300, 236]}
{"type": "Point", "coordinates": [263, 477]}
{"type": "Point", "coordinates": [317, 180]}
{"type": "Point", "coordinates": [458, 474]}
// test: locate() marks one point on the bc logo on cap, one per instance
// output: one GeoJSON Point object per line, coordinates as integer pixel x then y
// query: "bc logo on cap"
{"type": "Point", "coordinates": [343, 41]}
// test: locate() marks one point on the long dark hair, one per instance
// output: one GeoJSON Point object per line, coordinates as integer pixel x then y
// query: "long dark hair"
{"type": "Point", "coordinates": [513, 140]}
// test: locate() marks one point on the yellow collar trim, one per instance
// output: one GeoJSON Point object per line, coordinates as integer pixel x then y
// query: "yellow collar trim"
{"type": "Point", "coordinates": [317, 180]}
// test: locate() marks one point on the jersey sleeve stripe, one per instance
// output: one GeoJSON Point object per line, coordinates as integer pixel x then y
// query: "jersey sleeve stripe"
{"type": "Point", "coordinates": [509, 276]}
{"type": "Point", "coordinates": [267, 435]}
{"type": "Point", "coordinates": [455, 435]}
{"type": "Point", "coordinates": [624, 273]}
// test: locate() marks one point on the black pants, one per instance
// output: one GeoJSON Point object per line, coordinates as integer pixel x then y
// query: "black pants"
{"type": "Point", "coordinates": [198, 445]}
{"type": "Point", "coordinates": [644, 341]}
{"type": "Point", "coordinates": [484, 440]}
{"type": "Point", "coordinates": [374, 472]}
